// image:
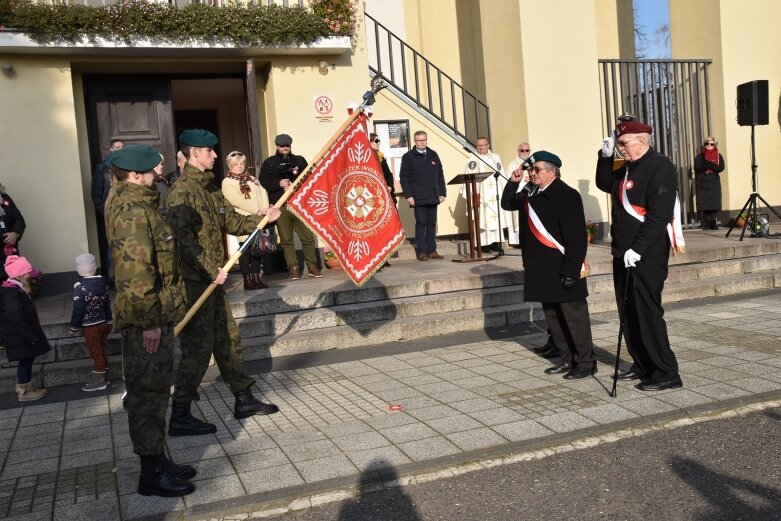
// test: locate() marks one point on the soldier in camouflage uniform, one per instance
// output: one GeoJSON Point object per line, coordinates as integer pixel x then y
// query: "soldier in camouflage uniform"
{"type": "Point", "coordinates": [149, 302]}
{"type": "Point", "coordinates": [199, 215]}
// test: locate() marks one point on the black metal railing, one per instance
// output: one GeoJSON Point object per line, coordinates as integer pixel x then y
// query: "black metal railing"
{"type": "Point", "coordinates": [673, 96]}
{"type": "Point", "coordinates": [424, 85]}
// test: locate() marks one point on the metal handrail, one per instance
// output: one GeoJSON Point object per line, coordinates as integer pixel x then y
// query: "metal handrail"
{"type": "Point", "coordinates": [455, 109]}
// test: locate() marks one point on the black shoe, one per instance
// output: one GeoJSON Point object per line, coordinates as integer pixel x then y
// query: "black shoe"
{"type": "Point", "coordinates": [548, 345]}
{"type": "Point", "coordinates": [650, 385]}
{"type": "Point", "coordinates": [561, 368]}
{"type": "Point", "coordinates": [180, 471]}
{"type": "Point", "coordinates": [629, 374]}
{"type": "Point", "coordinates": [247, 405]}
{"type": "Point", "coordinates": [164, 484]}
{"type": "Point", "coordinates": [581, 371]}
{"type": "Point", "coordinates": [183, 423]}
{"type": "Point", "coordinates": [553, 352]}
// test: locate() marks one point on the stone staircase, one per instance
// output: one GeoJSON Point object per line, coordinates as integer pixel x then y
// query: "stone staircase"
{"type": "Point", "coordinates": [414, 299]}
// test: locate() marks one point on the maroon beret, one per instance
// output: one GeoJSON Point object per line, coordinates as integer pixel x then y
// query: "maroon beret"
{"type": "Point", "coordinates": [633, 127]}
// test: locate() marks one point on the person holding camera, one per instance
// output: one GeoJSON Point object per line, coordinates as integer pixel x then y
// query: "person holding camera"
{"type": "Point", "coordinates": [277, 173]}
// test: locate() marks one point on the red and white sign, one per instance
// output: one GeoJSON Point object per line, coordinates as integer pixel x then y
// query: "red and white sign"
{"type": "Point", "coordinates": [324, 105]}
{"type": "Point", "coordinates": [346, 202]}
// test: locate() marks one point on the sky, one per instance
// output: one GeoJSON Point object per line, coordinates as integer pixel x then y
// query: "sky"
{"type": "Point", "coordinates": [650, 15]}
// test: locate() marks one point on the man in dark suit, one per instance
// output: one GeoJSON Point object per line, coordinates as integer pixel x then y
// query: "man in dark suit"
{"type": "Point", "coordinates": [554, 251]}
{"type": "Point", "coordinates": [423, 183]}
{"type": "Point", "coordinates": [644, 207]}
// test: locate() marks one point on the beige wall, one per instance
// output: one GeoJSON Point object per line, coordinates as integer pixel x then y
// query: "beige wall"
{"type": "Point", "coordinates": [745, 45]}
{"type": "Point", "coordinates": [41, 162]}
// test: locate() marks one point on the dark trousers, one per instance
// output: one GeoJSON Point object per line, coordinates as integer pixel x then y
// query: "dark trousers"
{"type": "Point", "coordinates": [24, 371]}
{"type": "Point", "coordinates": [426, 228]}
{"type": "Point", "coordinates": [644, 327]}
{"type": "Point", "coordinates": [147, 380]}
{"type": "Point", "coordinates": [570, 325]}
{"type": "Point", "coordinates": [286, 225]}
{"type": "Point", "coordinates": [249, 264]}
{"type": "Point", "coordinates": [211, 331]}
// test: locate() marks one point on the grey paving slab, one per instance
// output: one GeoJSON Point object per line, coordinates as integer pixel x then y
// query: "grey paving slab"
{"type": "Point", "coordinates": [522, 430]}
{"type": "Point", "coordinates": [451, 424]}
{"type": "Point", "coordinates": [476, 439]}
{"type": "Point", "coordinates": [254, 460]}
{"type": "Point", "coordinates": [271, 478]}
{"type": "Point", "coordinates": [100, 509]}
{"type": "Point", "coordinates": [421, 450]}
{"type": "Point", "coordinates": [215, 489]}
{"type": "Point", "coordinates": [566, 421]}
{"type": "Point", "coordinates": [361, 441]}
{"type": "Point", "coordinates": [365, 458]}
{"type": "Point", "coordinates": [313, 470]}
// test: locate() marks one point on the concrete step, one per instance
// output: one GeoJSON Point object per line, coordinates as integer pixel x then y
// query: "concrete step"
{"type": "Point", "coordinates": [419, 299]}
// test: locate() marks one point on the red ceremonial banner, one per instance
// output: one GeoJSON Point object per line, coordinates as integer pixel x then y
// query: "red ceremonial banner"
{"type": "Point", "coordinates": [346, 202]}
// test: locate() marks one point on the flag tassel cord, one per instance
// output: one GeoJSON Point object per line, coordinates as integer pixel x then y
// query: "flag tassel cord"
{"type": "Point", "coordinates": [368, 100]}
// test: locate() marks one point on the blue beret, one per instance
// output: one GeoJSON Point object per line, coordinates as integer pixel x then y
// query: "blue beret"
{"type": "Point", "coordinates": [544, 155]}
{"type": "Point", "coordinates": [197, 137]}
{"type": "Point", "coordinates": [136, 158]}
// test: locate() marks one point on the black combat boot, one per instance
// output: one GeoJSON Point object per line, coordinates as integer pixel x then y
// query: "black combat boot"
{"type": "Point", "coordinates": [247, 405]}
{"type": "Point", "coordinates": [157, 480]}
{"type": "Point", "coordinates": [180, 471]}
{"type": "Point", "coordinates": [185, 424]}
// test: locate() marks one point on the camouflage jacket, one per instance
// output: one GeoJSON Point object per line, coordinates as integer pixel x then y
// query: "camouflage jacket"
{"type": "Point", "coordinates": [199, 215]}
{"type": "Point", "coordinates": [148, 273]}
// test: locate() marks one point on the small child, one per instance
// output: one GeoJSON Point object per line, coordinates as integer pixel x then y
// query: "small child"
{"type": "Point", "coordinates": [92, 311]}
{"type": "Point", "coordinates": [20, 327]}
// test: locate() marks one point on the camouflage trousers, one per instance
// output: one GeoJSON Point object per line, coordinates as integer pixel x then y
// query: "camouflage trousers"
{"type": "Point", "coordinates": [148, 384]}
{"type": "Point", "coordinates": [211, 331]}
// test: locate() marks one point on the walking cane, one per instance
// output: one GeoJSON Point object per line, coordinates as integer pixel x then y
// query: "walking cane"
{"type": "Point", "coordinates": [621, 318]}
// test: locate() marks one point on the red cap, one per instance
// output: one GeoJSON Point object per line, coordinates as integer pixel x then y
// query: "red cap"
{"type": "Point", "coordinates": [633, 127]}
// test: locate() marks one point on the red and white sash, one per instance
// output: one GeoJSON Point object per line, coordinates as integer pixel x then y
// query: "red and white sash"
{"type": "Point", "coordinates": [544, 236]}
{"type": "Point", "coordinates": [674, 228]}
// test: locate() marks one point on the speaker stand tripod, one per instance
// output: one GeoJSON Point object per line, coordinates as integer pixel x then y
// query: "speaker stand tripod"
{"type": "Point", "coordinates": [749, 209]}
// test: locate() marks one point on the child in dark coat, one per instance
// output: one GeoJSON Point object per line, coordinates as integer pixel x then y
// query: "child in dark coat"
{"type": "Point", "coordinates": [19, 326]}
{"type": "Point", "coordinates": [92, 313]}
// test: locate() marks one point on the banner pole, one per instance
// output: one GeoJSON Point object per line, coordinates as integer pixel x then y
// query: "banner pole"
{"type": "Point", "coordinates": [263, 222]}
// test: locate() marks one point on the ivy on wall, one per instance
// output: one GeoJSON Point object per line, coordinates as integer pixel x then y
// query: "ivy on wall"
{"type": "Point", "coordinates": [240, 25]}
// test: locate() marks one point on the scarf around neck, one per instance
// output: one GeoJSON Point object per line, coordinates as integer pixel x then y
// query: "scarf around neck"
{"type": "Point", "coordinates": [244, 180]}
{"type": "Point", "coordinates": [711, 156]}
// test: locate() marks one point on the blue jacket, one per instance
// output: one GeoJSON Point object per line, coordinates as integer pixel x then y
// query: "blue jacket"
{"type": "Point", "coordinates": [91, 303]}
{"type": "Point", "coordinates": [421, 177]}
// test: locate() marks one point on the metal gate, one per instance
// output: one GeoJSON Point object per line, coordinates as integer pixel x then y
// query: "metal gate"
{"type": "Point", "coordinates": [671, 95]}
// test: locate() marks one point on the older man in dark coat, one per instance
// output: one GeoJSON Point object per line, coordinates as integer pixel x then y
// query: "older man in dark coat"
{"type": "Point", "coordinates": [554, 251]}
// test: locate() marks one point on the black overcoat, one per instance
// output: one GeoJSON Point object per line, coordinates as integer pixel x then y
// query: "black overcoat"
{"type": "Point", "coordinates": [708, 184]}
{"type": "Point", "coordinates": [20, 328]}
{"type": "Point", "coordinates": [421, 177]}
{"type": "Point", "coordinates": [560, 208]}
{"type": "Point", "coordinates": [653, 187]}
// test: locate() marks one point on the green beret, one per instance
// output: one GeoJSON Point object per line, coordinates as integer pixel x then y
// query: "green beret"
{"type": "Point", "coordinates": [197, 137]}
{"type": "Point", "coordinates": [135, 158]}
{"type": "Point", "coordinates": [544, 155]}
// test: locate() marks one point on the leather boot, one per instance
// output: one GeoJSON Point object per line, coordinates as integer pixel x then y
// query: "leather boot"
{"type": "Point", "coordinates": [259, 284]}
{"type": "Point", "coordinates": [183, 423]}
{"type": "Point", "coordinates": [249, 282]}
{"type": "Point", "coordinates": [180, 471]}
{"type": "Point", "coordinates": [157, 480]}
{"type": "Point", "coordinates": [247, 405]}
{"type": "Point", "coordinates": [28, 392]}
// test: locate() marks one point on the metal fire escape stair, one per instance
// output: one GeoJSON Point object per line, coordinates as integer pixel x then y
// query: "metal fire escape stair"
{"type": "Point", "coordinates": [423, 86]}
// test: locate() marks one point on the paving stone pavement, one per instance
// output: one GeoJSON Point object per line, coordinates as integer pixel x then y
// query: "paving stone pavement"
{"type": "Point", "coordinates": [459, 402]}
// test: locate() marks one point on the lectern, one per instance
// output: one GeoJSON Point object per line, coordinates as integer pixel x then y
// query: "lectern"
{"type": "Point", "coordinates": [470, 180]}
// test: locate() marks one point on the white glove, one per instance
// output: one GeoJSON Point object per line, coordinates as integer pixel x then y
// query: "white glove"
{"type": "Point", "coordinates": [607, 147]}
{"type": "Point", "coordinates": [631, 258]}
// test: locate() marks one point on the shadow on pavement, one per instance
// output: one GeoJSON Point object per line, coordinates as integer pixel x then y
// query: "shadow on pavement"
{"type": "Point", "coordinates": [370, 505]}
{"type": "Point", "coordinates": [730, 497]}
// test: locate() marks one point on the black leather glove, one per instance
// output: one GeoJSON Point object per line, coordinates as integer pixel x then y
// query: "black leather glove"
{"type": "Point", "coordinates": [568, 282]}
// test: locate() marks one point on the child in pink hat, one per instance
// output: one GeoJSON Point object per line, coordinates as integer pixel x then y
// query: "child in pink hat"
{"type": "Point", "coordinates": [19, 326]}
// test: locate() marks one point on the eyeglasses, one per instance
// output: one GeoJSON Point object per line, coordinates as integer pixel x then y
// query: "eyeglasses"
{"type": "Point", "coordinates": [709, 144]}
{"type": "Point", "coordinates": [537, 169]}
{"type": "Point", "coordinates": [375, 140]}
{"type": "Point", "coordinates": [283, 146]}
{"type": "Point", "coordinates": [623, 144]}
{"type": "Point", "coordinates": [524, 150]}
